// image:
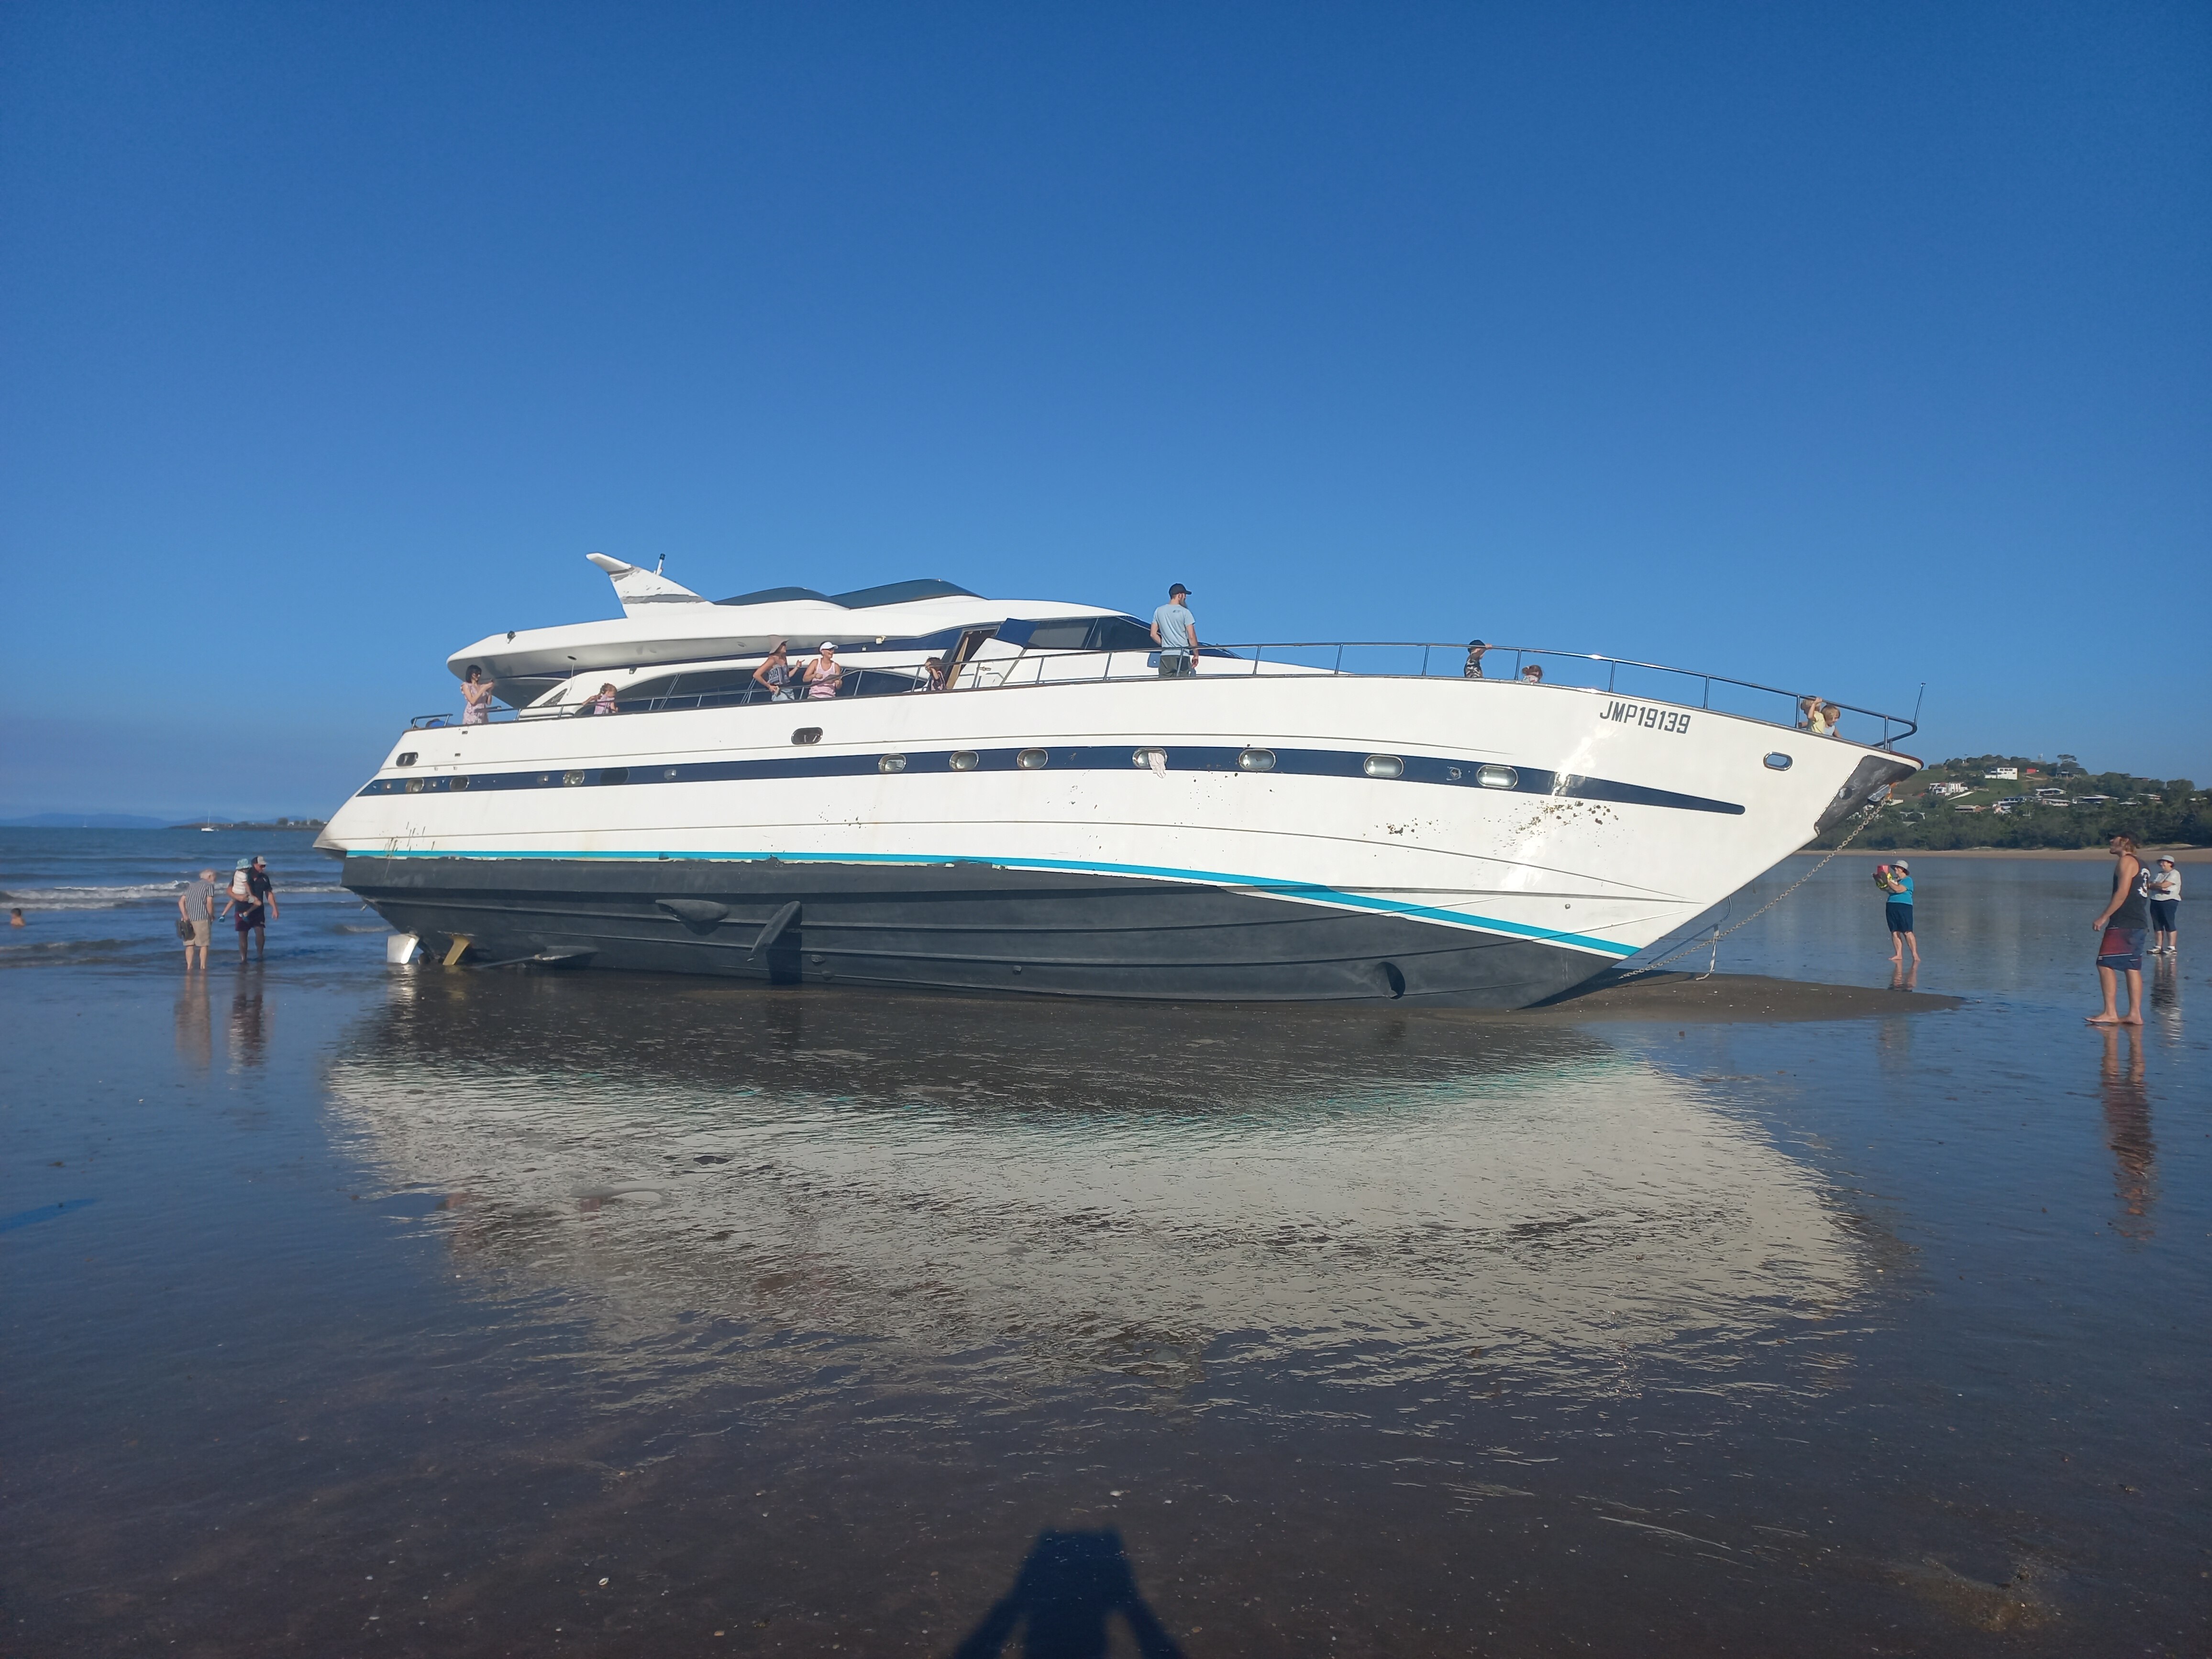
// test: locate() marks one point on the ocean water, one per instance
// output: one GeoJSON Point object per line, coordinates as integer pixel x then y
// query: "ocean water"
{"type": "Point", "coordinates": [355, 1308]}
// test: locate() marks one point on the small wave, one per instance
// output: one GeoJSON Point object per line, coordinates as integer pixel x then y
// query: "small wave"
{"type": "Point", "coordinates": [91, 899]}
{"type": "Point", "coordinates": [40, 953]}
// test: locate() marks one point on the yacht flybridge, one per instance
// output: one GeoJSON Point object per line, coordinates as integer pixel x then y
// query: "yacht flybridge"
{"type": "Point", "coordinates": [1300, 821]}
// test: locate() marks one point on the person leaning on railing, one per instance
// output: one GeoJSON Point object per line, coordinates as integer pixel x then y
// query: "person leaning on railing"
{"type": "Point", "coordinates": [823, 674]}
{"type": "Point", "coordinates": [776, 674]}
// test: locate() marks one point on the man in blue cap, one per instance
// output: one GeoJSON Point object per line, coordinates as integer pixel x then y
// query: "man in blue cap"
{"type": "Point", "coordinates": [1175, 630]}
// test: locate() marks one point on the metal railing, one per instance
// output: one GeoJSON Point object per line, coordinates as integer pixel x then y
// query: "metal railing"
{"type": "Point", "coordinates": [1632, 683]}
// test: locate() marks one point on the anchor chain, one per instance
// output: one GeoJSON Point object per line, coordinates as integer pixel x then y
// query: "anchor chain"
{"type": "Point", "coordinates": [1866, 817]}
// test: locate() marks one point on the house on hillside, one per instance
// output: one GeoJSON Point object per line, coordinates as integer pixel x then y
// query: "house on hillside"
{"type": "Point", "coordinates": [2003, 774]}
{"type": "Point", "coordinates": [1945, 791]}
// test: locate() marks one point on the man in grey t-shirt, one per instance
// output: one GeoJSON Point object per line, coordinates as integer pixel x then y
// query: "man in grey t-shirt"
{"type": "Point", "coordinates": [1175, 630]}
{"type": "Point", "coordinates": [196, 906]}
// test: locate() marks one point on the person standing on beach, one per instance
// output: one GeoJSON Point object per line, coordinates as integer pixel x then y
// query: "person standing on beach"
{"type": "Point", "coordinates": [2165, 907]}
{"type": "Point", "coordinates": [196, 909]}
{"type": "Point", "coordinates": [2123, 923]}
{"type": "Point", "coordinates": [1897, 910]}
{"type": "Point", "coordinates": [1175, 630]}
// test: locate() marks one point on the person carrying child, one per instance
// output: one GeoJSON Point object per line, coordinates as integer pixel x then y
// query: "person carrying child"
{"type": "Point", "coordinates": [1895, 882]}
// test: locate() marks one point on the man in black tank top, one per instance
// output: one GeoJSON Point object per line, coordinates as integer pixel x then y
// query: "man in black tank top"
{"type": "Point", "coordinates": [2121, 926]}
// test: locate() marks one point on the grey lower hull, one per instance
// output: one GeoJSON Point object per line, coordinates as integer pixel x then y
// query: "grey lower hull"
{"type": "Point", "coordinates": [961, 928]}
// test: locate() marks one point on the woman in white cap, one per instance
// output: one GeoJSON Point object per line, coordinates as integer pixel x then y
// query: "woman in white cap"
{"type": "Point", "coordinates": [822, 674]}
{"type": "Point", "coordinates": [2165, 907]}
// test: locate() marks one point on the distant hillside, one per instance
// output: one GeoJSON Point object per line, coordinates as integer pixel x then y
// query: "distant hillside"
{"type": "Point", "coordinates": [1958, 805]}
{"type": "Point", "coordinates": [83, 821]}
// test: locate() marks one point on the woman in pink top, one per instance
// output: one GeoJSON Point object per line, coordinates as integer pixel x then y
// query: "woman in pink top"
{"type": "Point", "coordinates": [822, 674]}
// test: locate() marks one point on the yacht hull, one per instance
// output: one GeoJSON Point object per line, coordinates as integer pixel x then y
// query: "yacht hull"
{"type": "Point", "coordinates": [1220, 838]}
{"type": "Point", "coordinates": [958, 927]}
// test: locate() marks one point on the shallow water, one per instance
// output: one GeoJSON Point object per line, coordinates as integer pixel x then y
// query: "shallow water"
{"type": "Point", "coordinates": [354, 1309]}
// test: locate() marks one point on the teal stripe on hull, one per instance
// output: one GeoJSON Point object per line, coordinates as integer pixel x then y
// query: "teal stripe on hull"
{"type": "Point", "coordinates": [1309, 891]}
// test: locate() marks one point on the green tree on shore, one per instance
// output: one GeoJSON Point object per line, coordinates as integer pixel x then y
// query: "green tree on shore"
{"type": "Point", "coordinates": [2098, 805]}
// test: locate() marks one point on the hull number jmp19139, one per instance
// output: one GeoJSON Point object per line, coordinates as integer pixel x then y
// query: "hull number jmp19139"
{"type": "Point", "coordinates": [1647, 715]}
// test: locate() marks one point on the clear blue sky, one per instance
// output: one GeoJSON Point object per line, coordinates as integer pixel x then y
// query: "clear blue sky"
{"type": "Point", "coordinates": [1839, 347]}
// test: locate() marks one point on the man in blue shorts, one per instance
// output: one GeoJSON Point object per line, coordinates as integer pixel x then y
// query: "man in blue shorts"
{"type": "Point", "coordinates": [1897, 910]}
{"type": "Point", "coordinates": [2122, 922]}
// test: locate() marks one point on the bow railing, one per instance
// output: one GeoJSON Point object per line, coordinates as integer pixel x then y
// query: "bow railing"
{"type": "Point", "coordinates": [1630, 683]}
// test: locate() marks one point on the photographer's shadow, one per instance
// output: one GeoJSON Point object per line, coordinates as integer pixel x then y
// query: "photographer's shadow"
{"type": "Point", "coordinates": [1069, 1586]}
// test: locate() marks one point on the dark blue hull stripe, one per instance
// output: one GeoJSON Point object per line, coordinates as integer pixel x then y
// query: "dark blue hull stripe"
{"type": "Point", "coordinates": [1293, 763]}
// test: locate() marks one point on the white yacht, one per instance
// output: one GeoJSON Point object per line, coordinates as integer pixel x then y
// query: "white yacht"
{"type": "Point", "coordinates": [1300, 821]}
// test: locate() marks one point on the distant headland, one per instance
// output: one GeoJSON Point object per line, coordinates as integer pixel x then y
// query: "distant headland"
{"type": "Point", "coordinates": [135, 820]}
{"type": "Point", "coordinates": [1994, 802]}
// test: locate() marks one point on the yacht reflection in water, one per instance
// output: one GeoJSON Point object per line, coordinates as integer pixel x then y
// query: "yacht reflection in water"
{"type": "Point", "coordinates": [1042, 1189]}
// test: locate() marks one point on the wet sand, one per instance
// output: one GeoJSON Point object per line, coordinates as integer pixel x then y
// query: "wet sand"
{"type": "Point", "coordinates": [357, 1310]}
{"type": "Point", "coordinates": [1756, 998]}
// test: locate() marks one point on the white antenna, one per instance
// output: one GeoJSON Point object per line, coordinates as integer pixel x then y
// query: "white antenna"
{"type": "Point", "coordinates": [661, 564]}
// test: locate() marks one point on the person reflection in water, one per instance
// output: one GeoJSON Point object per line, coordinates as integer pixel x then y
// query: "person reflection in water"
{"type": "Point", "coordinates": [249, 1034]}
{"type": "Point", "coordinates": [2127, 1132]}
{"type": "Point", "coordinates": [1072, 1584]}
{"type": "Point", "coordinates": [195, 1024]}
{"type": "Point", "coordinates": [2165, 993]}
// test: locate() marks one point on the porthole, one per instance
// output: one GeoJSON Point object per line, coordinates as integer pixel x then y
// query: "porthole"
{"type": "Point", "coordinates": [669, 773]}
{"type": "Point", "coordinates": [459, 783]}
{"type": "Point", "coordinates": [1256, 760]}
{"type": "Point", "coordinates": [572, 777]}
{"type": "Point", "coordinates": [1778, 762]}
{"type": "Point", "coordinates": [1498, 777]}
{"type": "Point", "coordinates": [406, 757]}
{"type": "Point", "coordinates": [414, 785]}
{"type": "Point", "coordinates": [891, 763]}
{"type": "Point", "coordinates": [615, 774]}
{"type": "Point", "coordinates": [1156, 759]}
{"type": "Point", "coordinates": [1453, 774]}
{"type": "Point", "coordinates": [964, 760]}
{"type": "Point", "coordinates": [1383, 765]}
{"type": "Point", "coordinates": [1031, 760]}
{"type": "Point", "coordinates": [807, 734]}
